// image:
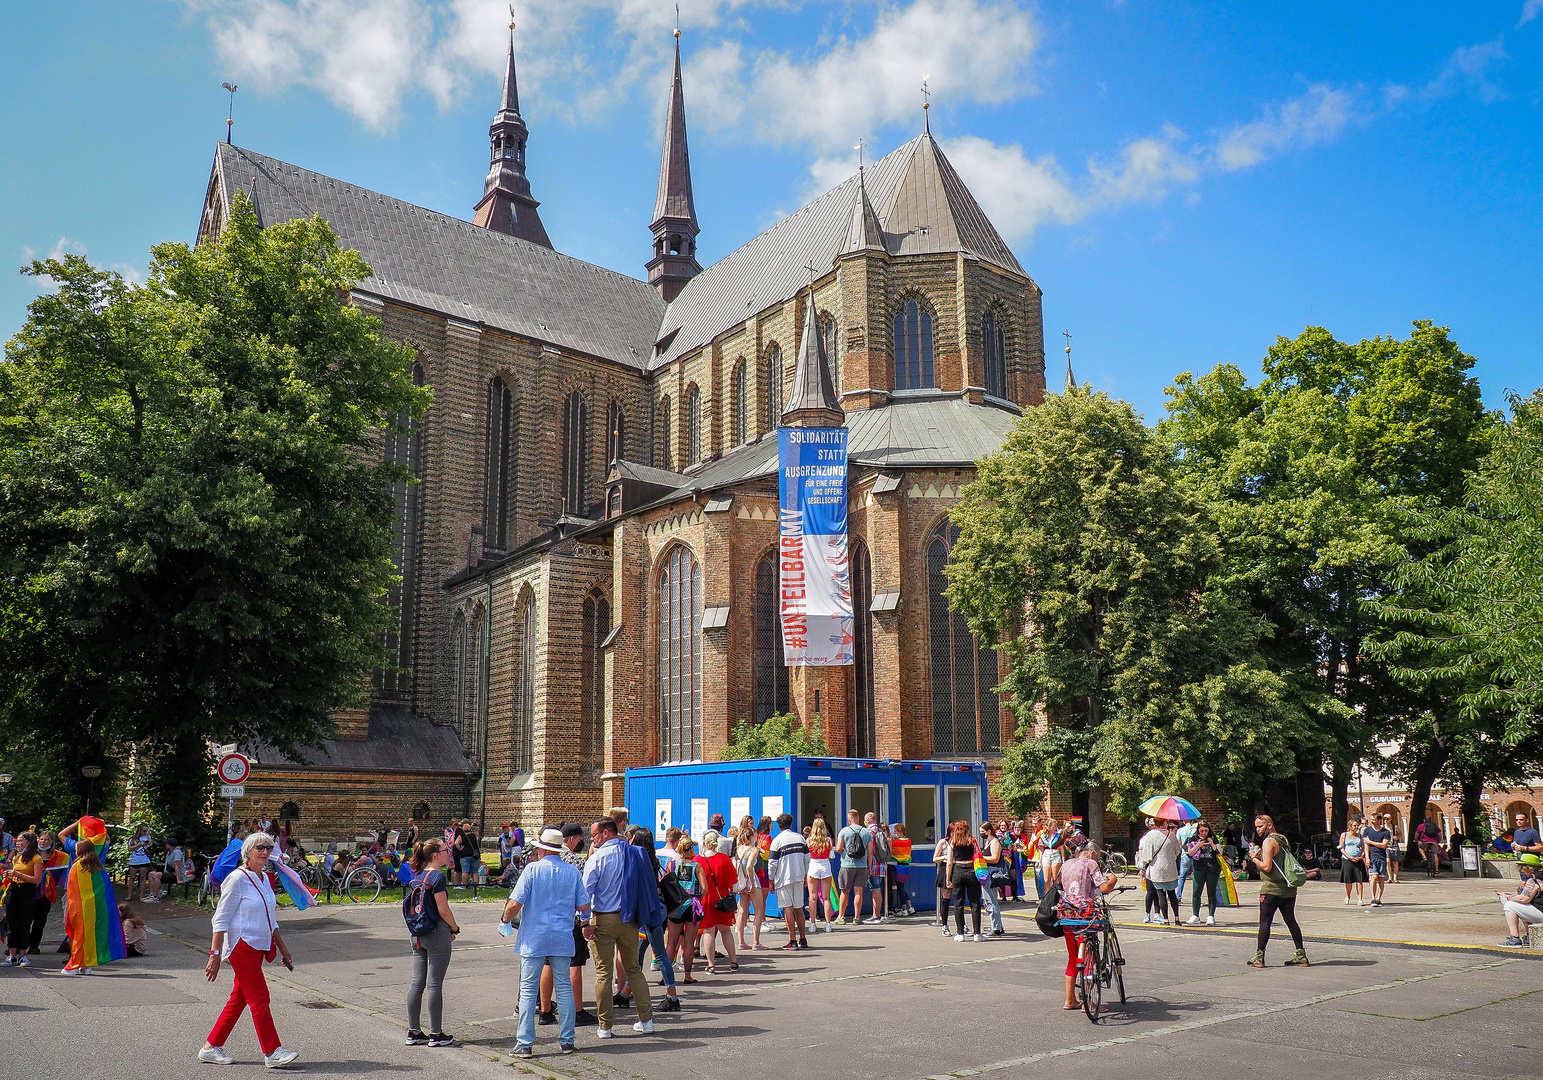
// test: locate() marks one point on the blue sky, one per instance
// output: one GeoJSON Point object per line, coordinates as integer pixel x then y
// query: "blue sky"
{"type": "Point", "coordinates": [1184, 180]}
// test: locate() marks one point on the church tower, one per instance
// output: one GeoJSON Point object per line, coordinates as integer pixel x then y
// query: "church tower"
{"type": "Point", "coordinates": [674, 225]}
{"type": "Point", "coordinates": [506, 204]}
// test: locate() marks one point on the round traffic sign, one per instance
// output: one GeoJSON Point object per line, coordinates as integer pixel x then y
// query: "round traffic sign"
{"type": "Point", "coordinates": [234, 769]}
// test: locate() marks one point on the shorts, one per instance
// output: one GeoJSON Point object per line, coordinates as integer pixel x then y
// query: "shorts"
{"type": "Point", "coordinates": [468, 864]}
{"type": "Point", "coordinates": [580, 949]}
{"type": "Point", "coordinates": [1379, 867]}
{"type": "Point", "coordinates": [819, 869]}
{"type": "Point", "coordinates": [875, 881]}
{"type": "Point", "coordinates": [790, 896]}
{"type": "Point", "coordinates": [852, 877]}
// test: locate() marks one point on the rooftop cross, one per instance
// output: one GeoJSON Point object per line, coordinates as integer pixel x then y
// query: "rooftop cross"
{"type": "Point", "coordinates": [230, 115]}
{"type": "Point", "coordinates": [926, 104]}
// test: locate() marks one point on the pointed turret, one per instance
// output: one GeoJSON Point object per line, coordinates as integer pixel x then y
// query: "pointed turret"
{"type": "Point", "coordinates": [1071, 380]}
{"type": "Point", "coordinates": [674, 226]}
{"type": "Point", "coordinates": [506, 204]}
{"type": "Point", "coordinates": [863, 230]}
{"type": "Point", "coordinates": [812, 402]}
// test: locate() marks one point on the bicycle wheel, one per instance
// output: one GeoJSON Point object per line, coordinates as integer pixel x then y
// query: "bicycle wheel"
{"type": "Point", "coordinates": [1115, 864]}
{"type": "Point", "coordinates": [311, 876]}
{"type": "Point", "coordinates": [362, 886]}
{"type": "Point", "coordinates": [1115, 962]}
{"type": "Point", "coordinates": [1092, 987]}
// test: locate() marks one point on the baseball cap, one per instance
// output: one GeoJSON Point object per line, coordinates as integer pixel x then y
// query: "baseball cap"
{"type": "Point", "coordinates": [572, 829]}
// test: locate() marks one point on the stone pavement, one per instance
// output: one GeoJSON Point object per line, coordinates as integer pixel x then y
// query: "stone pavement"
{"type": "Point", "coordinates": [898, 1000]}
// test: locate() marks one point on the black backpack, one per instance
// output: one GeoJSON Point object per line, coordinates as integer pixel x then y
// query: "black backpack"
{"type": "Point", "coordinates": [1048, 914]}
{"type": "Point", "coordinates": [855, 837]}
{"type": "Point", "coordinates": [418, 909]}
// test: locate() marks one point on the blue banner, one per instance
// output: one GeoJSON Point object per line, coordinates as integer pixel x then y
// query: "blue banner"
{"type": "Point", "coordinates": [816, 585]}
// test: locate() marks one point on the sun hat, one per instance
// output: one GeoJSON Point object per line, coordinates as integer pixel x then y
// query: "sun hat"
{"type": "Point", "coordinates": [551, 840]}
{"type": "Point", "coordinates": [1529, 859]}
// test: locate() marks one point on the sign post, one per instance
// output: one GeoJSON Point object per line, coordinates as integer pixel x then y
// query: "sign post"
{"type": "Point", "coordinates": [232, 771]}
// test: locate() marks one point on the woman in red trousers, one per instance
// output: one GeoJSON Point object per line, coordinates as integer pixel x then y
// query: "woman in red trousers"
{"type": "Point", "coordinates": [246, 933]}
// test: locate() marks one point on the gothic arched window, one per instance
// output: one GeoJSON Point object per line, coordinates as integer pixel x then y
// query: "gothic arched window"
{"type": "Point", "coordinates": [966, 716]}
{"type": "Point", "coordinates": [693, 426]}
{"type": "Point", "coordinates": [913, 348]}
{"type": "Point", "coordinates": [773, 370]}
{"type": "Point", "coordinates": [771, 669]}
{"type": "Point", "coordinates": [615, 434]}
{"type": "Point", "coordinates": [575, 443]}
{"type": "Point", "coordinates": [828, 332]}
{"type": "Point", "coordinates": [498, 483]}
{"type": "Point", "coordinates": [862, 601]}
{"type": "Point", "coordinates": [666, 437]}
{"type": "Point", "coordinates": [404, 449]}
{"type": "Point", "coordinates": [741, 404]}
{"type": "Point", "coordinates": [993, 347]}
{"type": "Point", "coordinates": [524, 749]}
{"type": "Point", "coordinates": [680, 656]}
{"type": "Point", "coordinates": [596, 628]}
{"type": "Point", "coordinates": [467, 679]}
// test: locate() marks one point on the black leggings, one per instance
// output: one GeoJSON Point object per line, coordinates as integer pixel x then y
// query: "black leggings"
{"type": "Point", "coordinates": [1287, 906]}
{"type": "Point", "coordinates": [1160, 899]}
{"type": "Point", "coordinates": [966, 889]}
{"type": "Point", "coordinates": [40, 909]}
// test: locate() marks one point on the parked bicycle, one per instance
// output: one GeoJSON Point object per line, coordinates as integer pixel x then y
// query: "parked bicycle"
{"type": "Point", "coordinates": [1101, 963]}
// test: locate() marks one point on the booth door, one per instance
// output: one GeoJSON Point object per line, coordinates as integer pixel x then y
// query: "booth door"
{"type": "Point", "coordinates": [812, 797]}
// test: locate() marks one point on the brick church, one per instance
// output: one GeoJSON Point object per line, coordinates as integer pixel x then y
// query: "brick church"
{"type": "Point", "coordinates": [588, 563]}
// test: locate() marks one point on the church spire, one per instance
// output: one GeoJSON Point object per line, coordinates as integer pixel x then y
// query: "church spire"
{"type": "Point", "coordinates": [506, 204]}
{"type": "Point", "coordinates": [812, 401]}
{"type": "Point", "coordinates": [674, 226]}
{"type": "Point", "coordinates": [863, 230]}
{"type": "Point", "coordinates": [1071, 380]}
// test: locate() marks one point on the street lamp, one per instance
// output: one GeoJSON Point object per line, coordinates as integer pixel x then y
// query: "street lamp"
{"type": "Point", "coordinates": [90, 772]}
{"type": "Point", "coordinates": [5, 782]}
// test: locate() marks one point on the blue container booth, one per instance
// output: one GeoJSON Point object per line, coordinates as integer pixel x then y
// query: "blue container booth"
{"type": "Point", "coordinates": [925, 795]}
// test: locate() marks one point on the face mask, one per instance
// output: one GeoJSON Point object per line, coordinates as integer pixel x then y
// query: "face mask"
{"type": "Point", "coordinates": [45, 847]}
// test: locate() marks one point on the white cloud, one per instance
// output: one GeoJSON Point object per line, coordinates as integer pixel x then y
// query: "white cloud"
{"type": "Point", "coordinates": [1314, 117]}
{"type": "Point", "coordinates": [1530, 10]}
{"type": "Point", "coordinates": [1468, 70]}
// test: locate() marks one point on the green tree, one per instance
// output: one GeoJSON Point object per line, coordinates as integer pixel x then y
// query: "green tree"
{"type": "Point", "coordinates": [777, 736]}
{"type": "Point", "coordinates": [1309, 476]}
{"type": "Point", "coordinates": [194, 509]}
{"type": "Point", "coordinates": [1093, 568]}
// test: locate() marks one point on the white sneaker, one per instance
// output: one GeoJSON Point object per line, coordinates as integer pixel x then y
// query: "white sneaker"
{"type": "Point", "coordinates": [605, 1033]}
{"type": "Point", "coordinates": [279, 1058]}
{"type": "Point", "coordinates": [872, 920]}
{"type": "Point", "coordinates": [1193, 920]}
{"type": "Point", "coordinates": [22, 961]}
{"type": "Point", "coordinates": [828, 929]}
{"type": "Point", "coordinates": [215, 1055]}
{"type": "Point", "coordinates": [644, 1027]}
{"type": "Point", "coordinates": [958, 937]}
{"type": "Point", "coordinates": [979, 939]}
{"type": "Point", "coordinates": [1145, 919]}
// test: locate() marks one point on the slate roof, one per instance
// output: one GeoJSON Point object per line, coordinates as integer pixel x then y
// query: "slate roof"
{"type": "Point", "coordinates": [922, 205]}
{"type": "Point", "coordinates": [444, 264]}
{"type": "Point", "coordinates": [940, 431]}
{"type": "Point", "coordinates": [674, 200]}
{"type": "Point", "coordinates": [399, 741]}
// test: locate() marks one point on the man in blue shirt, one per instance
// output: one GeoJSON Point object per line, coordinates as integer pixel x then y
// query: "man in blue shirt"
{"type": "Point", "coordinates": [623, 896]}
{"type": "Point", "coordinates": [1525, 839]}
{"type": "Point", "coordinates": [549, 893]}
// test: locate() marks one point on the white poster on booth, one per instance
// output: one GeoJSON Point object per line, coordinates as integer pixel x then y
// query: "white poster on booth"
{"type": "Point", "coordinates": [771, 806]}
{"type": "Point", "coordinates": [739, 809]}
{"type": "Point", "coordinates": [698, 819]}
{"type": "Point", "coordinates": [662, 820]}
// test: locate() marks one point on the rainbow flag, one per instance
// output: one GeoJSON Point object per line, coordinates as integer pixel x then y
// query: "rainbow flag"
{"type": "Point", "coordinates": [1229, 887]}
{"type": "Point", "coordinates": [91, 919]}
{"type": "Point", "coordinates": [900, 851]}
{"type": "Point", "coordinates": [54, 868]}
{"type": "Point", "coordinates": [982, 872]}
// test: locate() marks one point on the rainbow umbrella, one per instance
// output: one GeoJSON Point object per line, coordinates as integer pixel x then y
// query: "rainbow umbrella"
{"type": "Point", "coordinates": [1170, 808]}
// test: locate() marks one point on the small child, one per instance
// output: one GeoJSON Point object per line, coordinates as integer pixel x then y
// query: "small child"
{"type": "Point", "coordinates": [135, 938]}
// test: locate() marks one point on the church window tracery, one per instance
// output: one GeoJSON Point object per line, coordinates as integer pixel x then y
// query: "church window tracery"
{"type": "Point", "coordinates": [771, 670]}
{"type": "Point", "coordinates": [994, 350]}
{"type": "Point", "coordinates": [498, 485]}
{"type": "Point", "coordinates": [596, 628]}
{"type": "Point", "coordinates": [404, 448]}
{"type": "Point", "coordinates": [679, 604]}
{"type": "Point", "coordinates": [862, 601]}
{"type": "Point", "coordinates": [693, 426]}
{"type": "Point", "coordinates": [913, 348]}
{"type": "Point", "coordinates": [773, 371]}
{"type": "Point", "coordinates": [524, 749]}
{"type": "Point", "coordinates": [575, 444]}
{"type": "Point", "coordinates": [741, 405]}
{"type": "Point", "coordinates": [966, 715]}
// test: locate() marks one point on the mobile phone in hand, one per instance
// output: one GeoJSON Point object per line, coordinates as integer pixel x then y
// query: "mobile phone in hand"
{"type": "Point", "coordinates": [289, 965]}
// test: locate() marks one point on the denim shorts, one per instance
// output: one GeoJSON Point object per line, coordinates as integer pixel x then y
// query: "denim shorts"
{"type": "Point", "coordinates": [468, 864]}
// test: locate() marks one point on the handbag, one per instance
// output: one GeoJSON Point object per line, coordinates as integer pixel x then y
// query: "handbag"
{"type": "Point", "coordinates": [726, 904]}
{"type": "Point", "coordinates": [672, 892]}
{"type": "Point", "coordinates": [1048, 914]}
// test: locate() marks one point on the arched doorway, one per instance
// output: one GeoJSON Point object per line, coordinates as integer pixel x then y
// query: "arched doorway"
{"type": "Point", "coordinates": [1396, 816]}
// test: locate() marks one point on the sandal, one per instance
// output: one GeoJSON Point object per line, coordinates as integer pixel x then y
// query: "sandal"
{"type": "Point", "coordinates": [733, 966]}
{"type": "Point", "coordinates": [689, 981]}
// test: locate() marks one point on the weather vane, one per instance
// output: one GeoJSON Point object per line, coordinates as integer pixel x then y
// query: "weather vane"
{"type": "Point", "coordinates": [809, 266]}
{"type": "Point", "coordinates": [926, 103]}
{"type": "Point", "coordinates": [511, 16]}
{"type": "Point", "coordinates": [677, 22]}
{"type": "Point", "coordinates": [859, 148]}
{"type": "Point", "coordinates": [230, 115]}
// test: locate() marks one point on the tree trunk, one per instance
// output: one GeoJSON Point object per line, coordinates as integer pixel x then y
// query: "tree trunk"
{"type": "Point", "coordinates": [1339, 787]}
{"type": "Point", "coordinates": [1474, 823]}
{"type": "Point", "coordinates": [1424, 778]}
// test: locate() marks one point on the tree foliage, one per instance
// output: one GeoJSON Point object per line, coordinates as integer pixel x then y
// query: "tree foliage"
{"type": "Point", "coordinates": [779, 735]}
{"type": "Point", "coordinates": [194, 509]}
{"type": "Point", "coordinates": [1309, 476]}
{"type": "Point", "coordinates": [1124, 665]}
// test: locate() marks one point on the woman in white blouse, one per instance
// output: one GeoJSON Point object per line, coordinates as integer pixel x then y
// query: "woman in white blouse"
{"type": "Point", "coordinates": [246, 933]}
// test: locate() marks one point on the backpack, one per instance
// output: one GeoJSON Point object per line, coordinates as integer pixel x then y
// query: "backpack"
{"type": "Point", "coordinates": [880, 846]}
{"type": "Point", "coordinates": [418, 910]}
{"type": "Point", "coordinates": [672, 892]}
{"type": "Point", "coordinates": [854, 846]}
{"type": "Point", "coordinates": [1290, 869]}
{"type": "Point", "coordinates": [1048, 914]}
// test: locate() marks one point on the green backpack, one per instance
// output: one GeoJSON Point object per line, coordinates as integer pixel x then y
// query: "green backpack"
{"type": "Point", "coordinates": [1290, 869]}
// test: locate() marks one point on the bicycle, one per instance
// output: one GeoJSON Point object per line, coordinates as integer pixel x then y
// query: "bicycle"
{"type": "Point", "coordinates": [362, 884]}
{"type": "Point", "coordinates": [1098, 953]}
{"type": "Point", "coordinates": [1112, 862]}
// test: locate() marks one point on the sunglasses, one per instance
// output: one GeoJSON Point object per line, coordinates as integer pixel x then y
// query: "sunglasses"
{"type": "Point", "coordinates": [262, 847]}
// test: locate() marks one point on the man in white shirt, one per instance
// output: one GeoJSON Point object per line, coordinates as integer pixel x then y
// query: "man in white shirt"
{"type": "Point", "coordinates": [788, 863]}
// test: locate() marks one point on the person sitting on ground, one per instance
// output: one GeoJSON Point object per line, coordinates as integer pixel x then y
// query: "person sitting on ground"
{"type": "Point", "coordinates": [135, 938]}
{"type": "Point", "coordinates": [1521, 908]}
